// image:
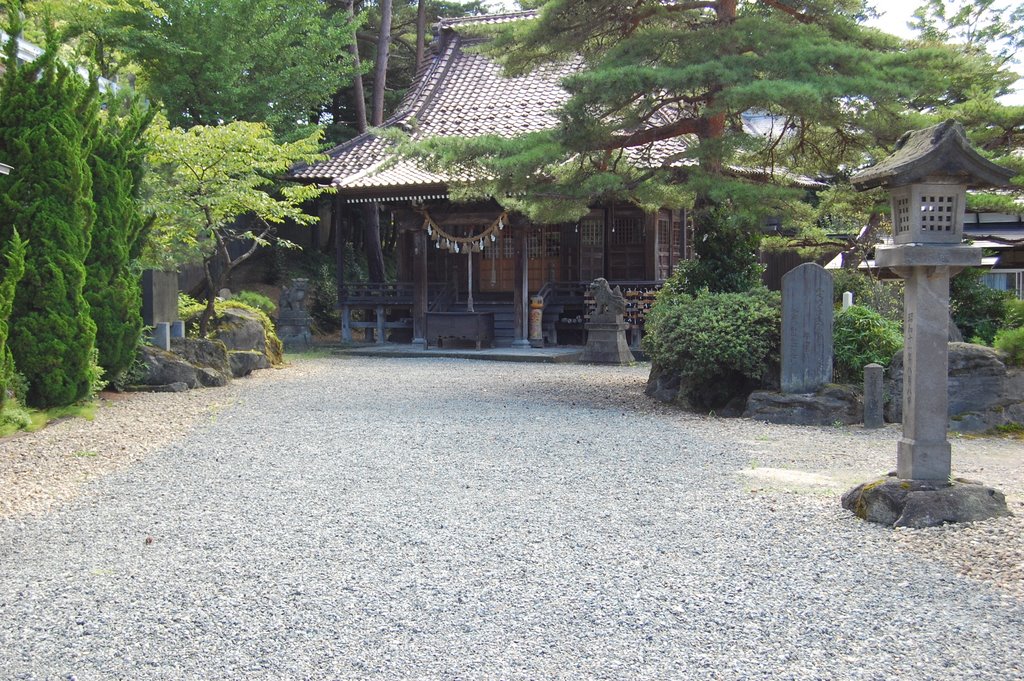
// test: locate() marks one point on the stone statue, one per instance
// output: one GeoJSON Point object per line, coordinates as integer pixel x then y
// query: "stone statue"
{"type": "Point", "coordinates": [606, 331]}
{"type": "Point", "coordinates": [292, 317]}
{"type": "Point", "coordinates": [606, 301]}
{"type": "Point", "coordinates": [293, 297]}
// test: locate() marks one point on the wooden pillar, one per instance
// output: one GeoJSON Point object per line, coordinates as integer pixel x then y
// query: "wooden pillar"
{"type": "Point", "coordinates": [419, 289]}
{"type": "Point", "coordinates": [346, 324]}
{"type": "Point", "coordinates": [521, 290]}
{"type": "Point", "coordinates": [684, 245]}
{"type": "Point", "coordinates": [341, 237]}
{"type": "Point", "coordinates": [381, 331]}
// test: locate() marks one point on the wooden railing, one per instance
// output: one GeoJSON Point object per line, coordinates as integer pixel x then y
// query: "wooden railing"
{"type": "Point", "coordinates": [377, 294]}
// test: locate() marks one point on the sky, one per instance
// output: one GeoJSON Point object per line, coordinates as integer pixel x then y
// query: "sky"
{"type": "Point", "coordinates": [895, 15]}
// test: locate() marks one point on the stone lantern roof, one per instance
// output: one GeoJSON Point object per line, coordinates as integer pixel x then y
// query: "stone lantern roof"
{"type": "Point", "coordinates": [941, 150]}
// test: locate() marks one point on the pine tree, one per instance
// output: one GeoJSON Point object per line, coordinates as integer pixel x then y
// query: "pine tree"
{"type": "Point", "coordinates": [47, 116]}
{"type": "Point", "coordinates": [112, 287]}
{"type": "Point", "coordinates": [659, 100]}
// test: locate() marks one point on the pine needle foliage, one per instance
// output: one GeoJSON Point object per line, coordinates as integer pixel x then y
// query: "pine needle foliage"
{"type": "Point", "coordinates": [47, 117]}
{"type": "Point", "coordinates": [687, 73]}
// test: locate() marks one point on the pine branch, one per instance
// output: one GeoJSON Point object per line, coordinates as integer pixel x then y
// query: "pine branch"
{"type": "Point", "coordinates": [796, 14]}
{"type": "Point", "coordinates": [685, 126]}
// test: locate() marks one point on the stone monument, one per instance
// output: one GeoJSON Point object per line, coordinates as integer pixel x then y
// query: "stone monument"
{"type": "Point", "coordinates": [606, 330]}
{"type": "Point", "coordinates": [806, 329]}
{"type": "Point", "coordinates": [292, 316]}
{"type": "Point", "coordinates": [928, 176]}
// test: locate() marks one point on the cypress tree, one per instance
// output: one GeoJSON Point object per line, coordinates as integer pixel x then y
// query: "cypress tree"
{"type": "Point", "coordinates": [12, 267]}
{"type": "Point", "coordinates": [47, 116]}
{"type": "Point", "coordinates": [112, 286]}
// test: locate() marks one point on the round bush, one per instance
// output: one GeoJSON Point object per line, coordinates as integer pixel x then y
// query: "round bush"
{"type": "Point", "coordinates": [721, 344]}
{"type": "Point", "coordinates": [257, 300]}
{"type": "Point", "coordinates": [861, 336]}
{"type": "Point", "coordinates": [1011, 341]}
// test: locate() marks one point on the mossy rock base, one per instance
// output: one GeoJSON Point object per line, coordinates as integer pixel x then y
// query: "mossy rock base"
{"type": "Point", "coordinates": [922, 503]}
{"type": "Point", "coordinates": [833, 404]}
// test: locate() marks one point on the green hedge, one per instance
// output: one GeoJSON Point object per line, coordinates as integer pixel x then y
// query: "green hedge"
{"type": "Point", "coordinates": [47, 122]}
{"type": "Point", "coordinates": [721, 344]}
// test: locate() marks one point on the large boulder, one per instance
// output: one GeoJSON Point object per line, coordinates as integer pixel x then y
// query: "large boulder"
{"type": "Point", "coordinates": [210, 357]}
{"type": "Point", "coordinates": [726, 395]}
{"type": "Point", "coordinates": [662, 385]}
{"type": "Point", "coordinates": [983, 392]}
{"type": "Point", "coordinates": [830, 405]}
{"type": "Point", "coordinates": [921, 503]}
{"type": "Point", "coordinates": [162, 368]}
{"type": "Point", "coordinates": [240, 329]}
{"type": "Point", "coordinates": [244, 362]}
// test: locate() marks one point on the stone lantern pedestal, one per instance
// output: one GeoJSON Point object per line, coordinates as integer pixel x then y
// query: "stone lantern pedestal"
{"type": "Point", "coordinates": [928, 177]}
{"type": "Point", "coordinates": [924, 453]}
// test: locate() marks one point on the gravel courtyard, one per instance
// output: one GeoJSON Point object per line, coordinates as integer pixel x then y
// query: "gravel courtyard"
{"type": "Point", "coordinates": [448, 519]}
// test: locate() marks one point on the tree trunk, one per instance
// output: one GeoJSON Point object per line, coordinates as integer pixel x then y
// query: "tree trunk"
{"type": "Point", "coordinates": [358, 95]}
{"type": "Point", "coordinates": [216, 275]}
{"type": "Point", "coordinates": [380, 68]}
{"type": "Point", "coordinates": [371, 242]}
{"type": "Point", "coordinates": [421, 34]}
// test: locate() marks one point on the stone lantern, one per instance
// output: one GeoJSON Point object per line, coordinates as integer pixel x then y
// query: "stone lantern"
{"type": "Point", "coordinates": [928, 176]}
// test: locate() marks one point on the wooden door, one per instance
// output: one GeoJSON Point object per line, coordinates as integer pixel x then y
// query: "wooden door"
{"type": "Point", "coordinates": [592, 247]}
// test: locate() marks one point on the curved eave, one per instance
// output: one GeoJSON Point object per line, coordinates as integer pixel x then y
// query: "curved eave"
{"type": "Point", "coordinates": [941, 149]}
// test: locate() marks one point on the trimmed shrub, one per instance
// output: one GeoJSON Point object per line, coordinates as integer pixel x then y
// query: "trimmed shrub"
{"type": "Point", "coordinates": [112, 288]}
{"type": "Point", "coordinates": [1011, 341]}
{"type": "Point", "coordinates": [47, 120]}
{"type": "Point", "coordinates": [721, 344]}
{"type": "Point", "coordinates": [257, 300]}
{"type": "Point", "coordinates": [861, 336]}
{"type": "Point", "coordinates": [13, 263]}
{"type": "Point", "coordinates": [977, 310]}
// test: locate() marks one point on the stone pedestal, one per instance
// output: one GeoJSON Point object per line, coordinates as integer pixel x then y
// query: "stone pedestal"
{"type": "Point", "coordinates": [924, 503]}
{"type": "Point", "coordinates": [923, 453]}
{"type": "Point", "coordinates": [606, 341]}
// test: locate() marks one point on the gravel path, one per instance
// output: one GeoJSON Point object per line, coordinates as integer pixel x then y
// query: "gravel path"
{"type": "Point", "coordinates": [392, 519]}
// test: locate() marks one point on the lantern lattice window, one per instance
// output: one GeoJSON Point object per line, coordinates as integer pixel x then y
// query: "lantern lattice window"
{"type": "Point", "coordinates": [928, 213]}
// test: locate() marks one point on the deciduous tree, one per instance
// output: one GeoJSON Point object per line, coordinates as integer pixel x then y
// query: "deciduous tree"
{"type": "Point", "coordinates": [217, 199]}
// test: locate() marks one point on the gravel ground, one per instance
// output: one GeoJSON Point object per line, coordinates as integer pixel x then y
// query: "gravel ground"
{"type": "Point", "coordinates": [369, 518]}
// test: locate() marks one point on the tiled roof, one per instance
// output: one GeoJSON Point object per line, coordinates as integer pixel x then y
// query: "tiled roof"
{"type": "Point", "coordinates": [488, 19]}
{"type": "Point", "coordinates": [459, 93]}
